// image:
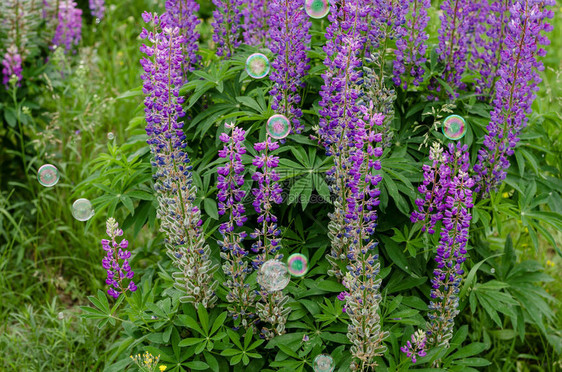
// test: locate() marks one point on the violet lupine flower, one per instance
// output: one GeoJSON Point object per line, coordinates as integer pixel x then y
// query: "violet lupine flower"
{"type": "Point", "coordinates": [350, 131]}
{"type": "Point", "coordinates": [288, 28]}
{"type": "Point", "coordinates": [515, 90]}
{"type": "Point", "coordinates": [97, 7]}
{"type": "Point", "coordinates": [180, 219]}
{"type": "Point", "coordinates": [454, 35]}
{"type": "Point", "coordinates": [227, 18]}
{"type": "Point", "coordinates": [19, 22]}
{"type": "Point", "coordinates": [12, 65]}
{"type": "Point", "coordinates": [387, 19]}
{"type": "Point", "coordinates": [266, 195]}
{"type": "Point", "coordinates": [416, 347]}
{"type": "Point", "coordinates": [434, 191]}
{"type": "Point", "coordinates": [271, 307]}
{"type": "Point", "coordinates": [411, 47]}
{"type": "Point", "coordinates": [230, 201]}
{"type": "Point", "coordinates": [452, 246]}
{"type": "Point", "coordinates": [339, 95]}
{"type": "Point", "coordinates": [116, 262]}
{"type": "Point", "coordinates": [182, 14]}
{"type": "Point", "coordinates": [255, 27]}
{"type": "Point", "coordinates": [69, 25]}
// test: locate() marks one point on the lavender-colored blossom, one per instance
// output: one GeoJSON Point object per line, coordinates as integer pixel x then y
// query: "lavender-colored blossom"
{"type": "Point", "coordinates": [411, 47]}
{"type": "Point", "coordinates": [97, 7]}
{"type": "Point", "coordinates": [288, 29]}
{"type": "Point", "coordinates": [227, 26]}
{"type": "Point", "coordinates": [434, 191]}
{"type": "Point", "coordinates": [516, 89]}
{"type": "Point", "coordinates": [69, 25]}
{"type": "Point", "coordinates": [387, 19]}
{"type": "Point", "coordinates": [182, 14]}
{"type": "Point", "coordinates": [19, 23]}
{"type": "Point", "coordinates": [255, 28]}
{"type": "Point", "coordinates": [457, 20]}
{"type": "Point", "coordinates": [230, 201]}
{"type": "Point", "coordinates": [350, 130]}
{"type": "Point", "coordinates": [416, 347]}
{"type": "Point", "coordinates": [116, 262]}
{"type": "Point", "coordinates": [11, 65]}
{"type": "Point", "coordinates": [179, 218]}
{"type": "Point", "coordinates": [451, 251]}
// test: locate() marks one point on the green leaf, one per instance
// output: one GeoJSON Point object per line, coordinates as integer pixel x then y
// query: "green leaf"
{"type": "Point", "coordinates": [190, 341]}
{"type": "Point", "coordinates": [473, 349]}
{"type": "Point", "coordinates": [197, 365]}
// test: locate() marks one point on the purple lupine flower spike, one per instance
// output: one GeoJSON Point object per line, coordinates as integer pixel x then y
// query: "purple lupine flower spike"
{"type": "Point", "coordinates": [411, 47]}
{"type": "Point", "coordinates": [416, 347]}
{"type": "Point", "coordinates": [288, 29]}
{"type": "Point", "coordinates": [255, 28]}
{"type": "Point", "coordinates": [11, 65]}
{"type": "Point", "coordinates": [116, 262]}
{"type": "Point", "coordinates": [182, 14]}
{"type": "Point", "coordinates": [457, 22]}
{"type": "Point", "coordinates": [515, 89]}
{"type": "Point", "coordinates": [456, 217]}
{"type": "Point", "coordinates": [179, 218]}
{"type": "Point", "coordinates": [271, 307]}
{"type": "Point", "coordinates": [69, 25]}
{"type": "Point", "coordinates": [230, 202]}
{"type": "Point", "coordinates": [227, 28]}
{"type": "Point", "coordinates": [97, 7]}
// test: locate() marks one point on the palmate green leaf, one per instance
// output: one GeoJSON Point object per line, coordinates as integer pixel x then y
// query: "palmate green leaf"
{"type": "Point", "coordinates": [197, 365]}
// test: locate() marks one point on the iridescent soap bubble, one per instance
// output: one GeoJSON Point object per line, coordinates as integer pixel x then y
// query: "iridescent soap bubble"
{"type": "Point", "coordinates": [278, 126]}
{"type": "Point", "coordinates": [48, 175]}
{"type": "Point", "coordinates": [298, 264]}
{"type": "Point", "coordinates": [257, 66]}
{"type": "Point", "coordinates": [273, 275]}
{"type": "Point", "coordinates": [82, 210]}
{"type": "Point", "coordinates": [324, 363]}
{"type": "Point", "coordinates": [110, 136]}
{"type": "Point", "coordinates": [454, 127]}
{"type": "Point", "coordinates": [317, 8]}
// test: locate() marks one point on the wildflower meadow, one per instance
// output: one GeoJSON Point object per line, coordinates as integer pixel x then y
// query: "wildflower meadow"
{"type": "Point", "coordinates": [281, 185]}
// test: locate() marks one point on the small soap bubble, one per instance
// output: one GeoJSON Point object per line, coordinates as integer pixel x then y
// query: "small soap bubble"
{"type": "Point", "coordinates": [257, 66]}
{"type": "Point", "coordinates": [48, 175]}
{"type": "Point", "coordinates": [317, 8]}
{"type": "Point", "coordinates": [324, 363]}
{"type": "Point", "coordinates": [454, 127]}
{"type": "Point", "coordinates": [493, 270]}
{"type": "Point", "coordinates": [298, 264]}
{"type": "Point", "coordinates": [82, 210]}
{"type": "Point", "coordinates": [110, 136]}
{"type": "Point", "coordinates": [278, 126]}
{"type": "Point", "coordinates": [273, 275]}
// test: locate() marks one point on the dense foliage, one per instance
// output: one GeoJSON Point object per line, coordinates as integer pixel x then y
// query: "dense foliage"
{"type": "Point", "coordinates": [423, 250]}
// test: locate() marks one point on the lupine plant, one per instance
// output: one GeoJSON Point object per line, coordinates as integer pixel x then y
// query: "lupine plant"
{"type": "Point", "coordinates": [390, 277]}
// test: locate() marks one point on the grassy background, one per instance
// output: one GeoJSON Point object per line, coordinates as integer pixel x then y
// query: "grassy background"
{"type": "Point", "coordinates": [50, 262]}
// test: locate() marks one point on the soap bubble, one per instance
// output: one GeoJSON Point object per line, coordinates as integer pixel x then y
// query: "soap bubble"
{"type": "Point", "coordinates": [493, 270]}
{"type": "Point", "coordinates": [82, 210]}
{"type": "Point", "coordinates": [257, 66]}
{"type": "Point", "coordinates": [454, 127]}
{"type": "Point", "coordinates": [110, 136]}
{"type": "Point", "coordinates": [278, 126]}
{"type": "Point", "coordinates": [317, 8]}
{"type": "Point", "coordinates": [324, 363]}
{"type": "Point", "coordinates": [48, 175]}
{"type": "Point", "coordinates": [298, 264]}
{"type": "Point", "coordinates": [273, 275]}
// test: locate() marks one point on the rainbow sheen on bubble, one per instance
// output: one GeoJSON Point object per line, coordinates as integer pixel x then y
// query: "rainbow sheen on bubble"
{"type": "Point", "coordinates": [82, 210]}
{"type": "Point", "coordinates": [317, 8]}
{"type": "Point", "coordinates": [324, 363]}
{"type": "Point", "coordinates": [257, 66]}
{"type": "Point", "coordinates": [48, 175]}
{"type": "Point", "coordinates": [298, 264]}
{"type": "Point", "coordinates": [110, 136]}
{"type": "Point", "coordinates": [454, 127]}
{"type": "Point", "coordinates": [273, 275]}
{"type": "Point", "coordinates": [278, 126]}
